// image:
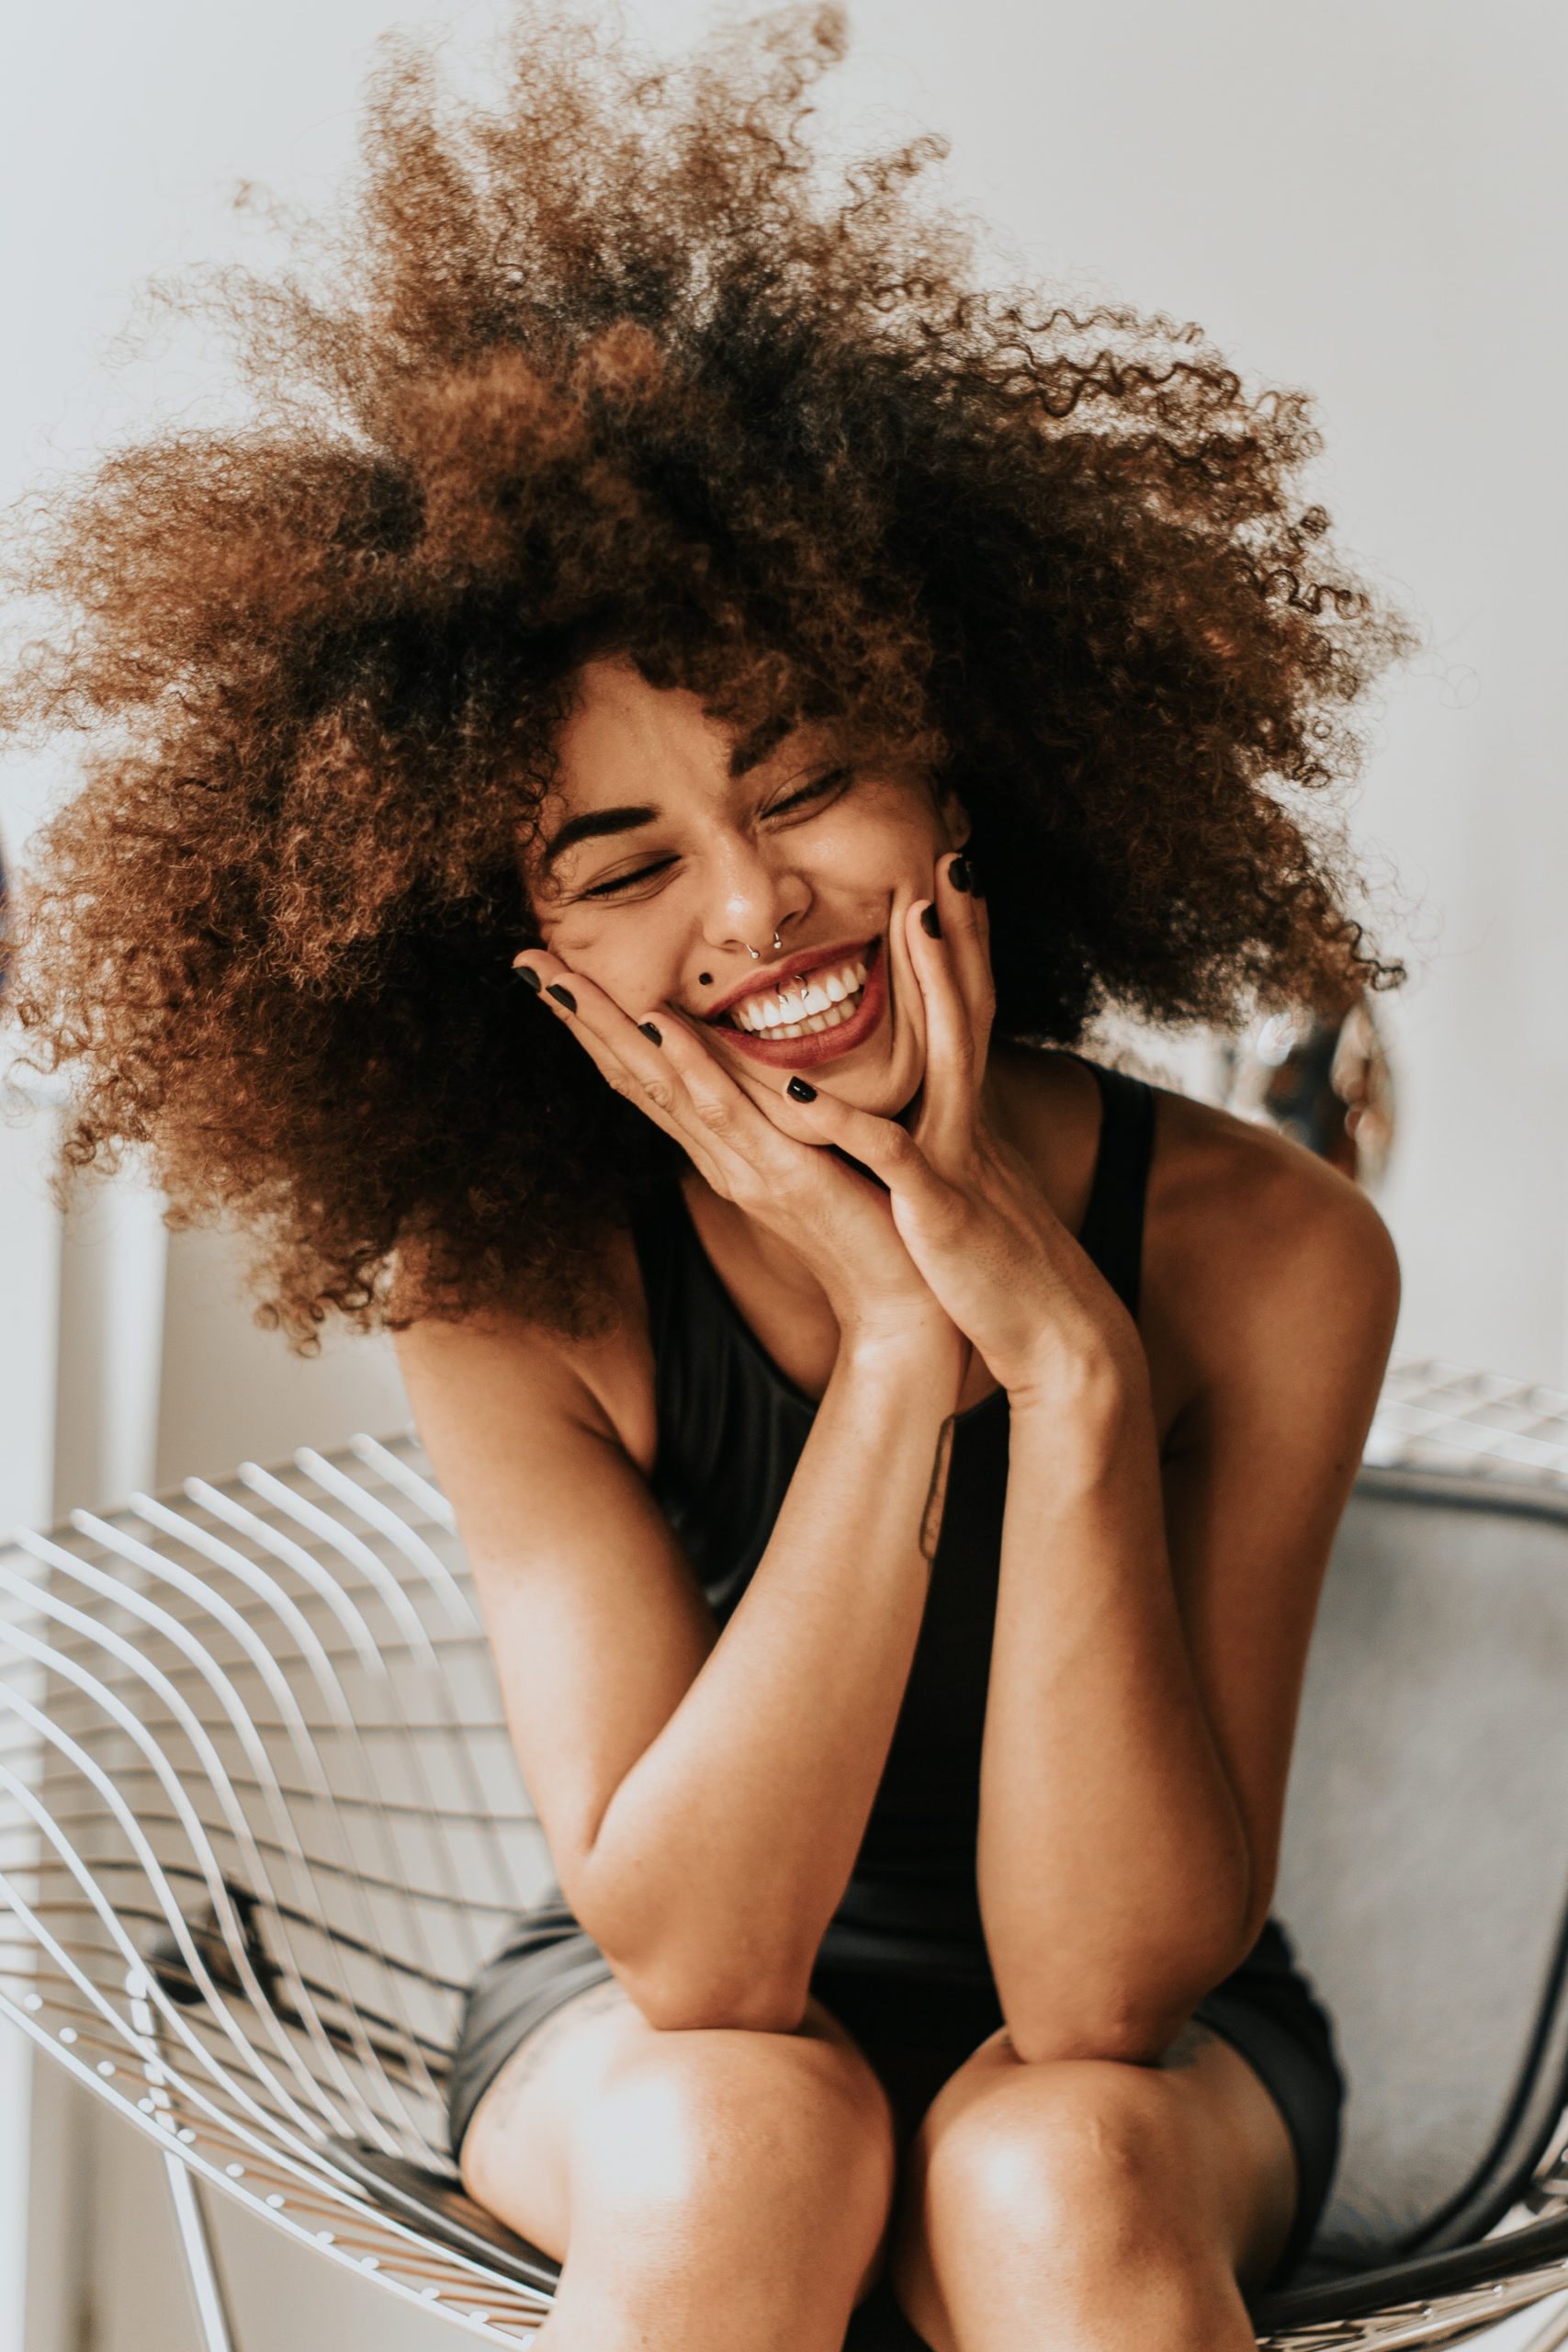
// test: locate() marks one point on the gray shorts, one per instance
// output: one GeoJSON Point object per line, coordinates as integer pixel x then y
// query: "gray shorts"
{"type": "Point", "coordinates": [917, 2024]}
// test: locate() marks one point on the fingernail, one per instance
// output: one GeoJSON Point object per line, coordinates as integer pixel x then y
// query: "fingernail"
{"type": "Point", "coordinates": [650, 1031]}
{"type": "Point", "coordinates": [527, 972]}
{"type": "Point", "coordinates": [562, 996]}
{"type": "Point", "coordinates": [799, 1090]}
{"type": "Point", "coordinates": [959, 874]}
{"type": "Point", "coordinates": [931, 923]}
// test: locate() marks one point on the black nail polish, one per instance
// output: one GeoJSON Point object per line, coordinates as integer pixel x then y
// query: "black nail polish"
{"type": "Point", "coordinates": [650, 1032]}
{"type": "Point", "coordinates": [931, 923]}
{"type": "Point", "coordinates": [958, 873]}
{"type": "Point", "coordinates": [527, 972]}
{"type": "Point", "coordinates": [562, 996]}
{"type": "Point", "coordinates": [799, 1090]}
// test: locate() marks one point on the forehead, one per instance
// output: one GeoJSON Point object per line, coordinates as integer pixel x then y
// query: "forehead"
{"type": "Point", "coordinates": [624, 732]}
{"type": "Point", "coordinates": [629, 752]}
{"type": "Point", "coordinates": [627, 739]}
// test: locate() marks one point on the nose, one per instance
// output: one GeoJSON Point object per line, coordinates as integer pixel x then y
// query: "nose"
{"type": "Point", "coordinates": [755, 891]}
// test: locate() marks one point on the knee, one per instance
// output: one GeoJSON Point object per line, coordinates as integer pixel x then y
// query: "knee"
{"type": "Point", "coordinates": [683, 2114]}
{"type": "Point", "coordinates": [1084, 2164]}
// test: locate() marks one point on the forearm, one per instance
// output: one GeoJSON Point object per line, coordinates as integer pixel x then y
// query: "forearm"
{"type": "Point", "coordinates": [1113, 1870]}
{"type": "Point", "coordinates": [724, 1850]}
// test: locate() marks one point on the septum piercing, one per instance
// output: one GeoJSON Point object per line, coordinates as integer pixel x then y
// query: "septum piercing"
{"type": "Point", "coordinates": [705, 979]}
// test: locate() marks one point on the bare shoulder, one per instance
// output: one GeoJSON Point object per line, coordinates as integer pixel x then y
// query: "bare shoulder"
{"type": "Point", "coordinates": [1262, 1265]}
{"type": "Point", "coordinates": [598, 1624]}
{"type": "Point", "coordinates": [491, 1368]}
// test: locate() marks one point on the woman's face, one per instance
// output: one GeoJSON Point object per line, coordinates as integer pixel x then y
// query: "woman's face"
{"type": "Point", "coordinates": [655, 870]}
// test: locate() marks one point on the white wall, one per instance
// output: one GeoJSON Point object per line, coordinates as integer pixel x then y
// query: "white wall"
{"type": "Point", "coordinates": [1368, 200]}
{"type": "Point", "coordinates": [1365, 200]}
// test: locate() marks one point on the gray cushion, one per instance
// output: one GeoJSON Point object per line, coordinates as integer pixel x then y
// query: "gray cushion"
{"type": "Point", "coordinates": [1425, 1856]}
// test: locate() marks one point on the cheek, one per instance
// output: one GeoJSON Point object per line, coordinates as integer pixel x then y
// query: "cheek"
{"type": "Point", "coordinates": [879, 838]}
{"type": "Point", "coordinates": [613, 954]}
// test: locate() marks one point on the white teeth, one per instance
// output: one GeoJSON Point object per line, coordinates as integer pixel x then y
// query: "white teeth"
{"type": "Point", "coordinates": [792, 1010]}
{"type": "Point", "coordinates": [835, 1016]}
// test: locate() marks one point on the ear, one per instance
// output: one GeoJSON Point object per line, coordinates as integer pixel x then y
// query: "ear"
{"type": "Point", "coordinates": [954, 816]}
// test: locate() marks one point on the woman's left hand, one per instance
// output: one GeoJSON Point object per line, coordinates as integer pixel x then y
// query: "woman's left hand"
{"type": "Point", "coordinates": [967, 1206]}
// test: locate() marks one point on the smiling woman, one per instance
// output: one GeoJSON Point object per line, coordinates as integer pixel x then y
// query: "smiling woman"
{"type": "Point", "coordinates": [669, 630]}
{"type": "Point", "coordinates": [612, 368]}
{"type": "Point", "coordinates": [826, 866]}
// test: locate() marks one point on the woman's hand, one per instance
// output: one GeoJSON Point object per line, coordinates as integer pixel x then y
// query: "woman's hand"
{"type": "Point", "coordinates": [965, 1204]}
{"type": "Point", "coordinates": [773, 1167]}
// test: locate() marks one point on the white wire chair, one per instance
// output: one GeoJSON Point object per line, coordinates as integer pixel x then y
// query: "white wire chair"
{"type": "Point", "coordinates": [260, 1823]}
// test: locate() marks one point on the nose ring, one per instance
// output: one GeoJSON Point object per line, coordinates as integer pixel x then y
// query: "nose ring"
{"type": "Point", "coordinates": [755, 952]}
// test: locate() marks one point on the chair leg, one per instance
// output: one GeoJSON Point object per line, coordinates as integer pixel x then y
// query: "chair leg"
{"type": "Point", "coordinates": [201, 2263]}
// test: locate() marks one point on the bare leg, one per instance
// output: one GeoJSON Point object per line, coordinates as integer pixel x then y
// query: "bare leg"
{"type": "Point", "coordinates": [1088, 2205]}
{"type": "Point", "coordinates": [705, 2191]}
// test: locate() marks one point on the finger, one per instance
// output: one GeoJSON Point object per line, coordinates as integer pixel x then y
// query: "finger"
{"type": "Point", "coordinates": [965, 922]}
{"type": "Point", "coordinates": [948, 1091]}
{"type": "Point", "coordinates": [673, 1076]}
{"type": "Point", "coordinates": [890, 1152]}
{"type": "Point", "coordinates": [625, 1054]}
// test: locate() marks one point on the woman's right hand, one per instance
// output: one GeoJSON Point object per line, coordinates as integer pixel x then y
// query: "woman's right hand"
{"type": "Point", "coordinates": [837, 1222]}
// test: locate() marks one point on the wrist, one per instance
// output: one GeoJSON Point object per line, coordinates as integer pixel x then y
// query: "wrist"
{"type": "Point", "coordinates": [933, 1354]}
{"type": "Point", "coordinates": [1092, 1399]}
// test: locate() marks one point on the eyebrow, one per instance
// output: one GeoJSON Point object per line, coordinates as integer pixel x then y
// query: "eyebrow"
{"type": "Point", "coordinates": [591, 825]}
{"type": "Point", "coordinates": [595, 824]}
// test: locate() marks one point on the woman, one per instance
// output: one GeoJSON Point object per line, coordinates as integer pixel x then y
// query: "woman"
{"type": "Point", "coordinates": [613, 804]}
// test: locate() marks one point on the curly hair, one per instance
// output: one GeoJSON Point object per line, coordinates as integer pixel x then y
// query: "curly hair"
{"type": "Point", "coordinates": [613, 364]}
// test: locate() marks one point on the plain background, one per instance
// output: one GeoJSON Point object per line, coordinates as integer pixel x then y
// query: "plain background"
{"type": "Point", "coordinates": [1365, 199]}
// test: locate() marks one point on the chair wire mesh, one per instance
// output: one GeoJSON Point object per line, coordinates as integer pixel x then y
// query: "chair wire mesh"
{"type": "Point", "coordinates": [260, 1825]}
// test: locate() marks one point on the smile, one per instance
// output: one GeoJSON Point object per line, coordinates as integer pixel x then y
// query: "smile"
{"type": "Point", "coordinates": [815, 1018]}
{"type": "Point", "coordinates": [819, 1002]}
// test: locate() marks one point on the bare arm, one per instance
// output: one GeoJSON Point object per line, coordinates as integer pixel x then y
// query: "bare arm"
{"type": "Point", "coordinates": [723, 1849]}
{"type": "Point", "coordinates": [1153, 1620]}
{"type": "Point", "coordinates": [703, 1794]}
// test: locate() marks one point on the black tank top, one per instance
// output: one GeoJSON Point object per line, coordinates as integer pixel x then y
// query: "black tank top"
{"type": "Point", "coordinates": [730, 1431]}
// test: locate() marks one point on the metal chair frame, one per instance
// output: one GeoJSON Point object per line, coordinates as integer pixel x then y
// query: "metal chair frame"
{"type": "Point", "coordinates": [260, 1823]}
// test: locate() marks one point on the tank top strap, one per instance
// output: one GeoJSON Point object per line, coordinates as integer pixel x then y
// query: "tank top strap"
{"type": "Point", "coordinates": [1112, 1231]}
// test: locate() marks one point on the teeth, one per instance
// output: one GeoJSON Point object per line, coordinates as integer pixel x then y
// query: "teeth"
{"type": "Point", "coordinates": [833, 1018]}
{"type": "Point", "coordinates": [791, 1010]}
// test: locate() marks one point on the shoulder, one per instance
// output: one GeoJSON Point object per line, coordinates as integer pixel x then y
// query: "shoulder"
{"type": "Point", "coordinates": [1265, 1269]}
{"type": "Point", "coordinates": [499, 1360]}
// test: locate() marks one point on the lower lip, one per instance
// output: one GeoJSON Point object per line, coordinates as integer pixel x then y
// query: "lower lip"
{"type": "Point", "coordinates": [819, 1044]}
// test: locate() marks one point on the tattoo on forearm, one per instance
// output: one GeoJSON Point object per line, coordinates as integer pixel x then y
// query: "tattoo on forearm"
{"type": "Point", "coordinates": [931, 1518]}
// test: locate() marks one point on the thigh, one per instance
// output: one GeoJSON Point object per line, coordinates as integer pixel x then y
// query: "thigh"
{"type": "Point", "coordinates": [516, 2152]}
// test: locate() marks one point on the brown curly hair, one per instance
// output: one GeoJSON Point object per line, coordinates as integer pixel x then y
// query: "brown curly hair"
{"type": "Point", "coordinates": [612, 365]}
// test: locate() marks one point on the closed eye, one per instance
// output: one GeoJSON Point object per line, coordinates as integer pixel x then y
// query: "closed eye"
{"type": "Point", "coordinates": [818, 788]}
